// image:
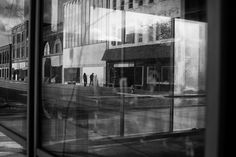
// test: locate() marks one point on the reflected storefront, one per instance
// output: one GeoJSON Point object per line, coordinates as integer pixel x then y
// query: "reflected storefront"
{"type": "Point", "coordinates": [105, 78]}
{"type": "Point", "coordinates": [144, 66]}
{"type": "Point", "coordinates": [130, 70]}
{"type": "Point", "coordinates": [19, 71]}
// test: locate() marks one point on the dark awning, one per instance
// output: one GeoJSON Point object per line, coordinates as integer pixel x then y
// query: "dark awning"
{"type": "Point", "coordinates": [138, 52]}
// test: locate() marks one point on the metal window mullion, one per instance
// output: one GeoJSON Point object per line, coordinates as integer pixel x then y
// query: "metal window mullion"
{"type": "Point", "coordinates": [38, 76]}
{"type": "Point", "coordinates": [30, 95]}
{"type": "Point", "coordinates": [34, 78]}
{"type": "Point", "coordinates": [213, 78]}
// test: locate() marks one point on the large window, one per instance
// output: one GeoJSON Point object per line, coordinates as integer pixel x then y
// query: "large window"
{"type": "Point", "coordinates": [125, 74]}
{"type": "Point", "coordinates": [13, 81]}
{"type": "Point", "coordinates": [111, 78]}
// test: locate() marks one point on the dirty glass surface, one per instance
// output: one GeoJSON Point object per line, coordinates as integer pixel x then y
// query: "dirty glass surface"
{"type": "Point", "coordinates": [14, 34]}
{"type": "Point", "coordinates": [119, 75]}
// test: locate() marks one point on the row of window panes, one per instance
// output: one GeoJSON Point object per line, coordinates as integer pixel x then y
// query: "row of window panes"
{"type": "Point", "coordinates": [130, 4]}
{"type": "Point", "coordinates": [20, 37]}
{"type": "Point", "coordinates": [20, 53]}
{"type": "Point", "coordinates": [161, 32]}
{"type": "Point", "coordinates": [4, 58]}
{"type": "Point", "coordinates": [4, 73]}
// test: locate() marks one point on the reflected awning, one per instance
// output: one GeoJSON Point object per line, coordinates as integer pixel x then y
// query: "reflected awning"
{"type": "Point", "coordinates": [138, 52]}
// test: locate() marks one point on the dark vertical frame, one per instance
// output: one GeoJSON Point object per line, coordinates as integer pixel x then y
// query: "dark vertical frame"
{"type": "Point", "coordinates": [220, 99]}
{"type": "Point", "coordinates": [31, 84]}
{"type": "Point", "coordinates": [213, 78]}
{"type": "Point", "coordinates": [37, 74]}
{"type": "Point", "coordinates": [34, 78]}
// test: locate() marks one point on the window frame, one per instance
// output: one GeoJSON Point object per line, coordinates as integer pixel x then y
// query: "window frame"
{"type": "Point", "coordinates": [215, 10]}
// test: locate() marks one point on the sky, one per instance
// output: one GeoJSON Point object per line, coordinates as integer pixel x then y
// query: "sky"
{"type": "Point", "coordinates": [12, 13]}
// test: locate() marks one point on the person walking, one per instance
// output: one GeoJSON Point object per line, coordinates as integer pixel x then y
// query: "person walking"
{"type": "Point", "coordinates": [85, 79]}
{"type": "Point", "coordinates": [91, 79]}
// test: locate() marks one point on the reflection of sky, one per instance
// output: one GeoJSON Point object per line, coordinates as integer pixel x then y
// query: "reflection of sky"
{"type": "Point", "coordinates": [12, 13]}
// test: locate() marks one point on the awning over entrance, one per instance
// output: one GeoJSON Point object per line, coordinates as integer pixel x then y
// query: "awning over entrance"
{"type": "Point", "coordinates": [138, 52]}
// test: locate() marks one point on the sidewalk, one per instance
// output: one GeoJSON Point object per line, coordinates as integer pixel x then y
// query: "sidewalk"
{"type": "Point", "coordinates": [9, 148]}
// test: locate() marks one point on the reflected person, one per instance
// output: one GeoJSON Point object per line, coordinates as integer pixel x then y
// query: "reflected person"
{"type": "Point", "coordinates": [91, 79]}
{"type": "Point", "coordinates": [85, 79]}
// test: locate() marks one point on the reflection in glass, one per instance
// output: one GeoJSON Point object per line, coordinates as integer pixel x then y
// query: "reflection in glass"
{"type": "Point", "coordinates": [14, 26]}
{"type": "Point", "coordinates": [117, 74]}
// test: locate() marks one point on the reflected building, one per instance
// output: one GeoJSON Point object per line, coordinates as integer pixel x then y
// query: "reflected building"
{"type": "Point", "coordinates": [141, 47]}
{"type": "Point", "coordinates": [84, 40]}
{"type": "Point", "coordinates": [135, 41]}
{"type": "Point", "coordinates": [151, 48]}
{"type": "Point", "coordinates": [20, 51]}
{"type": "Point", "coordinates": [52, 62]}
{"type": "Point", "coordinates": [96, 31]}
{"type": "Point", "coordinates": [52, 54]}
{"type": "Point", "coordinates": [5, 62]}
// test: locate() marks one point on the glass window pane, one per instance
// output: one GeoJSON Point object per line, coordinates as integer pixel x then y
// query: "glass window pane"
{"type": "Point", "coordinates": [119, 74]}
{"type": "Point", "coordinates": [14, 21]}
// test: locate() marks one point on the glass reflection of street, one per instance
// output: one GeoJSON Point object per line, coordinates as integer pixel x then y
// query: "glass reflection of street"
{"type": "Point", "coordinates": [67, 113]}
{"type": "Point", "coordinates": [13, 106]}
{"type": "Point", "coordinates": [117, 75]}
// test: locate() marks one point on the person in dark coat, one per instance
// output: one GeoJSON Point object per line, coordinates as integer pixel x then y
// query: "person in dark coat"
{"type": "Point", "coordinates": [85, 79]}
{"type": "Point", "coordinates": [91, 79]}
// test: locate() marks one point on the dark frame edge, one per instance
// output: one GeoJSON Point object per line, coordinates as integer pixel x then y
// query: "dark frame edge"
{"type": "Point", "coordinates": [213, 78]}
{"type": "Point", "coordinates": [37, 76]}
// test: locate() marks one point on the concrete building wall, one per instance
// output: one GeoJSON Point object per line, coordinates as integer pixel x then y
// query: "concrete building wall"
{"type": "Point", "coordinates": [190, 56]}
{"type": "Point", "coordinates": [85, 57]}
{"type": "Point", "coordinates": [83, 37]}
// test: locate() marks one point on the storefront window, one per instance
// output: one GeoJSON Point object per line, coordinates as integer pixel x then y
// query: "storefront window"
{"type": "Point", "coordinates": [127, 73]}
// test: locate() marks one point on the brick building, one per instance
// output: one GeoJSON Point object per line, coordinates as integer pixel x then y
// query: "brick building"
{"type": "Point", "coordinates": [20, 51]}
{"type": "Point", "coordinates": [5, 61]}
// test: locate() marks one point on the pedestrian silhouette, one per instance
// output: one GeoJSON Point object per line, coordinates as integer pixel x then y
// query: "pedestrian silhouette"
{"type": "Point", "coordinates": [91, 79]}
{"type": "Point", "coordinates": [85, 79]}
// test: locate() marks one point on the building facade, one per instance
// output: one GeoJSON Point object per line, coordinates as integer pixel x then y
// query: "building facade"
{"type": "Point", "coordinates": [20, 52]}
{"type": "Point", "coordinates": [5, 62]}
{"type": "Point", "coordinates": [52, 54]}
{"type": "Point", "coordinates": [146, 44]}
{"type": "Point", "coordinates": [84, 41]}
{"type": "Point", "coordinates": [126, 39]}
{"type": "Point", "coordinates": [142, 49]}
